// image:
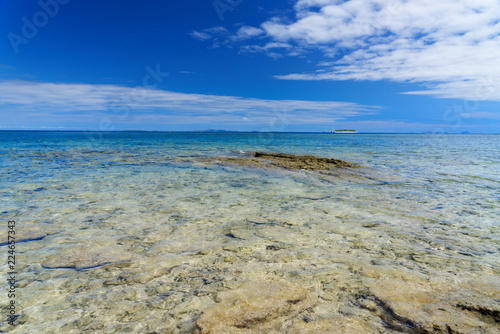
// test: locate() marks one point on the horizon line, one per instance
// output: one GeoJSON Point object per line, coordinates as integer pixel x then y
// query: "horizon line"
{"type": "Point", "coordinates": [249, 132]}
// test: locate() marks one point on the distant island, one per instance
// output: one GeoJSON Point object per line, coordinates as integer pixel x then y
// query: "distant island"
{"type": "Point", "coordinates": [345, 131]}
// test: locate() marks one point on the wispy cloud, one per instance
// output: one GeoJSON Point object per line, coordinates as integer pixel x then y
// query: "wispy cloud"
{"type": "Point", "coordinates": [217, 35]}
{"type": "Point", "coordinates": [6, 67]}
{"type": "Point", "coordinates": [482, 115]}
{"type": "Point", "coordinates": [62, 102]}
{"type": "Point", "coordinates": [247, 32]}
{"type": "Point", "coordinates": [209, 33]}
{"type": "Point", "coordinates": [451, 47]}
{"type": "Point", "coordinates": [269, 48]}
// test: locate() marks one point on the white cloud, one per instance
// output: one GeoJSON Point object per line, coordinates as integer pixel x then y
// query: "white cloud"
{"type": "Point", "coordinates": [209, 33]}
{"type": "Point", "coordinates": [246, 32]}
{"type": "Point", "coordinates": [21, 100]}
{"type": "Point", "coordinates": [269, 48]}
{"type": "Point", "coordinates": [452, 47]}
{"type": "Point", "coordinates": [200, 35]}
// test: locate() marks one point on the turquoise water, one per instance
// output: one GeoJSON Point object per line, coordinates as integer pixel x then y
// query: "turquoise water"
{"type": "Point", "coordinates": [135, 232]}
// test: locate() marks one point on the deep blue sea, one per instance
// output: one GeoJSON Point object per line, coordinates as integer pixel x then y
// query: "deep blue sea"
{"type": "Point", "coordinates": [136, 232]}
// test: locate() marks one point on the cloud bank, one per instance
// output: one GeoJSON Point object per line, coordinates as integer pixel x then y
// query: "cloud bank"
{"type": "Point", "coordinates": [62, 102]}
{"type": "Point", "coordinates": [451, 47]}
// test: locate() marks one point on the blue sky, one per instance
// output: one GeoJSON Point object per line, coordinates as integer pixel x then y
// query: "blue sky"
{"type": "Point", "coordinates": [275, 65]}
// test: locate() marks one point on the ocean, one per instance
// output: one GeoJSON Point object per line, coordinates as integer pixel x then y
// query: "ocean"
{"type": "Point", "coordinates": [137, 232]}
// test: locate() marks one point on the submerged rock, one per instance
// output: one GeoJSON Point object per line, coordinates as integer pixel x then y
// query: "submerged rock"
{"type": "Point", "coordinates": [337, 325]}
{"type": "Point", "coordinates": [286, 161]}
{"type": "Point", "coordinates": [86, 257]}
{"type": "Point", "coordinates": [412, 302]}
{"type": "Point", "coordinates": [255, 307]}
{"type": "Point", "coordinates": [308, 162]}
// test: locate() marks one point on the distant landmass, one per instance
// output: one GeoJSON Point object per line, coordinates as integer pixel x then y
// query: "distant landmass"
{"type": "Point", "coordinates": [345, 131]}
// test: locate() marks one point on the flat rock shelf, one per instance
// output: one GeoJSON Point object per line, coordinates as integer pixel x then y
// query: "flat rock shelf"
{"type": "Point", "coordinates": [286, 161]}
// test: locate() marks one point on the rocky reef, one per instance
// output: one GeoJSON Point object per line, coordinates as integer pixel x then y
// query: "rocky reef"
{"type": "Point", "coordinates": [255, 306]}
{"type": "Point", "coordinates": [248, 244]}
{"type": "Point", "coordinates": [285, 161]}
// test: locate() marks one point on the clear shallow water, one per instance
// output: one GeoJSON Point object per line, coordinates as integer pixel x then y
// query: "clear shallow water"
{"type": "Point", "coordinates": [123, 234]}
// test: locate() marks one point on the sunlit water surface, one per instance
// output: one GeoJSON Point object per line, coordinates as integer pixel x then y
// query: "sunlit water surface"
{"type": "Point", "coordinates": [119, 232]}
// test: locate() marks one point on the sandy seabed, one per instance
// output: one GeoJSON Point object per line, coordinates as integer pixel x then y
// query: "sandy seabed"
{"type": "Point", "coordinates": [206, 247]}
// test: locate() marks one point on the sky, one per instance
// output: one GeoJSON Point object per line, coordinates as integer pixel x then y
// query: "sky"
{"type": "Point", "coordinates": [262, 65]}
